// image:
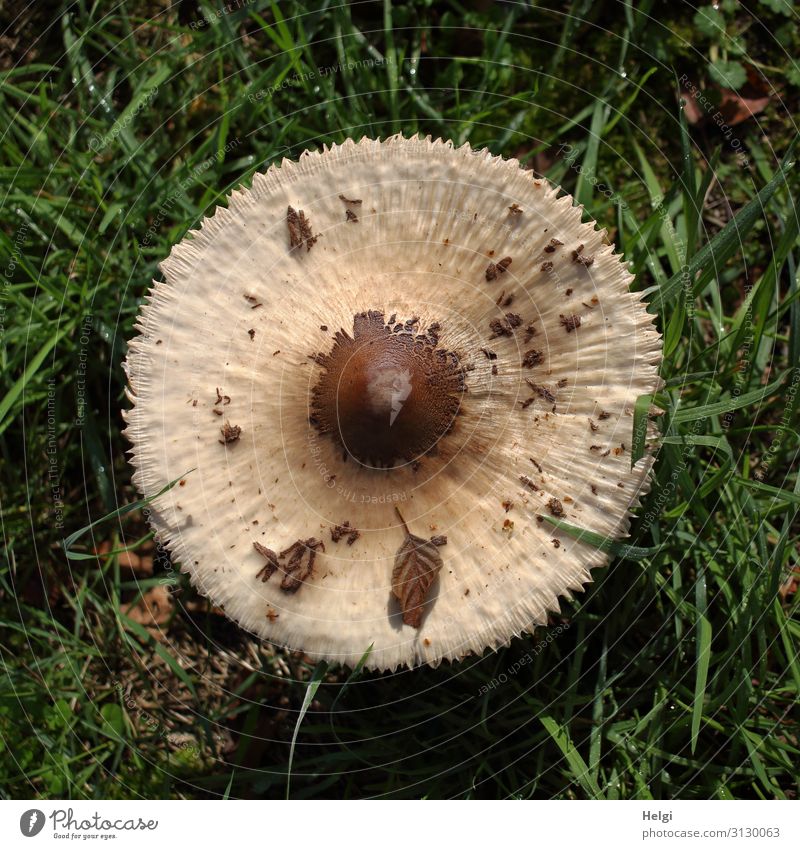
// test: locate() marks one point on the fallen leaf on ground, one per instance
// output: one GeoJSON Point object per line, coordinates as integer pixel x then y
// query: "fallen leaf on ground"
{"type": "Point", "coordinates": [732, 107]}
{"type": "Point", "coordinates": [153, 610]}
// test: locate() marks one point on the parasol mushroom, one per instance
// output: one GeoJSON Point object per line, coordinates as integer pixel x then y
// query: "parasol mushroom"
{"type": "Point", "coordinates": [386, 363]}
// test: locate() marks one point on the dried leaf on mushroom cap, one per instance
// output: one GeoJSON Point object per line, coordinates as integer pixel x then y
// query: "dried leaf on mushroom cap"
{"type": "Point", "coordinates": [432, 216]}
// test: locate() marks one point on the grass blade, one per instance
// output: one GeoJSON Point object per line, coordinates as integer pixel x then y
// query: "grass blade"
{"type": "Point", "coordinates": [149, 639]}
{"type": "Point", "coordinates": [30, 370]}
{"type": "Point", "coordinates": [719, 408]}
{"type": "Point", "coordinates": [703, 657]}
{"type": "Point", "coordinates": [713, 254]}
{"type": "Point", "coordinates": [576, 763]}
{"type": "Point", "coordinates": [621, 550]}
{"type": "Point", "coordinates": [313, 685]}
{"type": "Point", "coordinates": [121, 511]}
{"type": "Point", "coordinates": [639, 438]}
{"type": "Point", "coordinates": [352, 676]}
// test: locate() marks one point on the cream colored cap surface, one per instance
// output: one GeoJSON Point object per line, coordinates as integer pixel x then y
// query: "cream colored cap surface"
{"type": "Point", "coordinates": [552, 347]}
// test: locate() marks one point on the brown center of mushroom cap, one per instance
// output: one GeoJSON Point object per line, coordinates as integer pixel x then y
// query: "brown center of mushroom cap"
{"type": "Point", "coordinates": [388, 393]}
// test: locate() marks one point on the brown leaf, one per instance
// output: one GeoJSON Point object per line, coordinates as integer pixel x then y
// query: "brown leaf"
{"type": "Point", "coordinates": [788, 588]}
{"type": "Point", "coordinates": [416, 566]}
{"type": "Point", "coordinates": [693, 111]}
{"type": "Point", "coordinates": [737, 107]}
{"type": "Point", "coordinates": [139, 565]}
{"type": "Point", "coordinates": [724, 107]}
{"type": "Point", "coordinates": [129, 560]}
{"type": "Point", "coordinates": [153, 609]}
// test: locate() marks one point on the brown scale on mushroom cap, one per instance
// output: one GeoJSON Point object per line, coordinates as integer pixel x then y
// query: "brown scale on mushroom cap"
{"type": "Point", "coordinates": [385, 395]}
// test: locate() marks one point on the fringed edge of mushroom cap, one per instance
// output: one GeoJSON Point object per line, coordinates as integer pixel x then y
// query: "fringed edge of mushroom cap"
{"type": "Point", "coordinates": [158, 299]}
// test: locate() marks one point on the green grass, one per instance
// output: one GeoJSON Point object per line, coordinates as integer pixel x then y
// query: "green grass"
{"type": "Point", "coordinates": [675, 675]}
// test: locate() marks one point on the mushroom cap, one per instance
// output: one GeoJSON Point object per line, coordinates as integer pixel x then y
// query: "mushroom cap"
{"type": "Point", "coordinates": [222, 376]}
